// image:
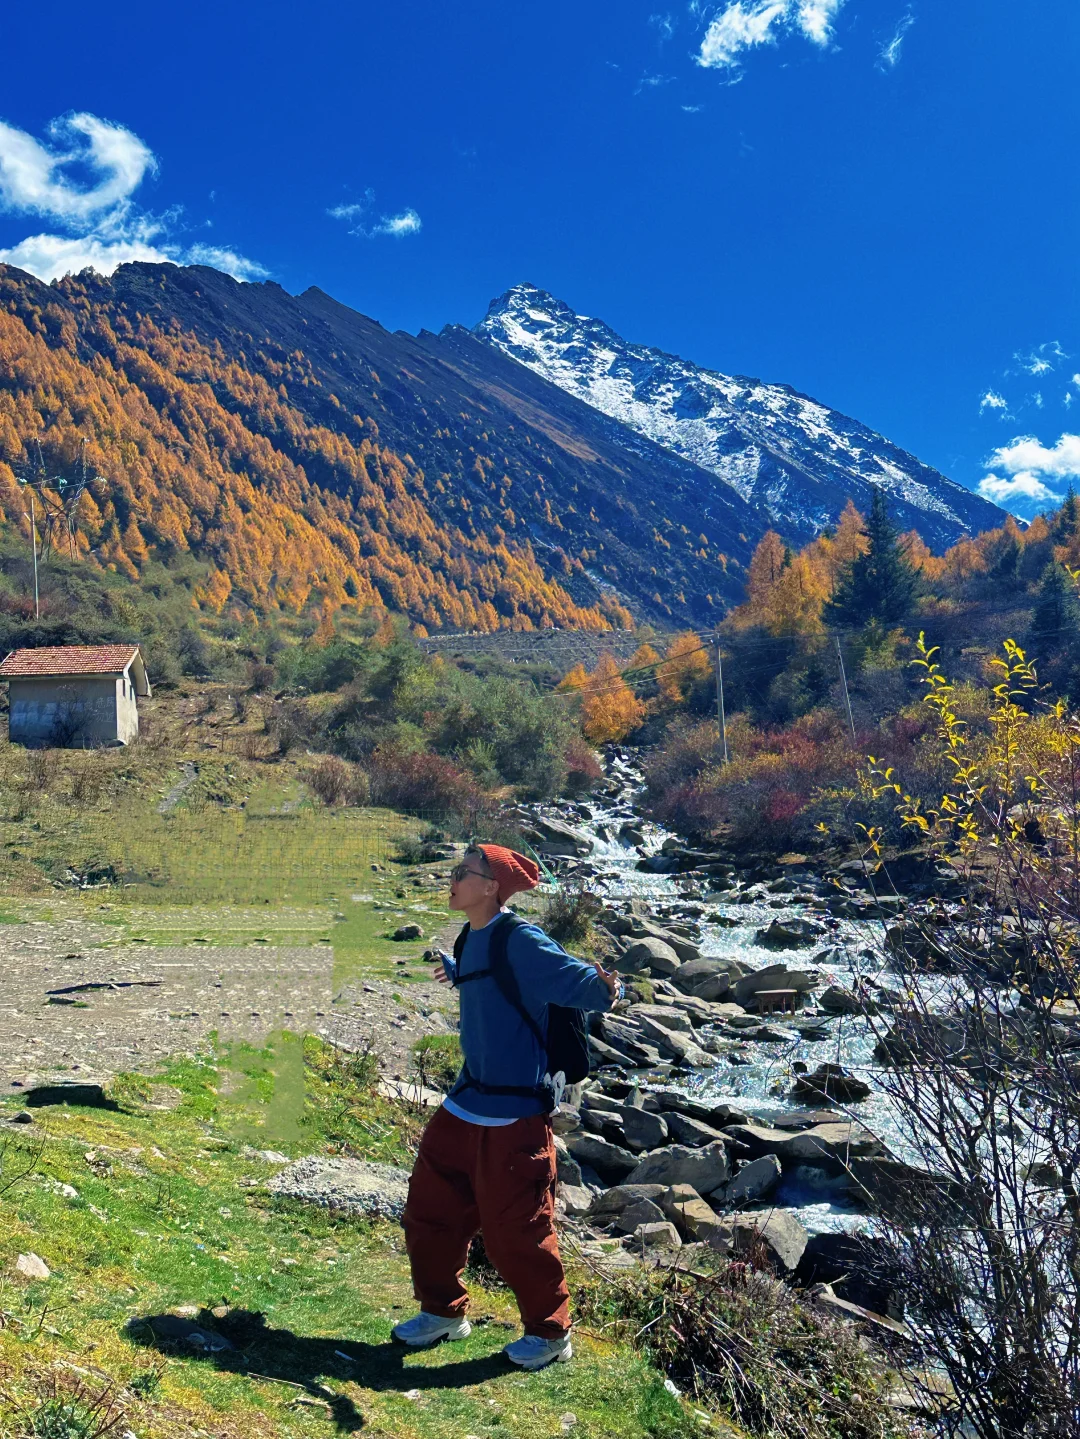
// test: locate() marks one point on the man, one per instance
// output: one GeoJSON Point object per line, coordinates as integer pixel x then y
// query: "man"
{"type": "Point", "coordinates": [487, 1159]}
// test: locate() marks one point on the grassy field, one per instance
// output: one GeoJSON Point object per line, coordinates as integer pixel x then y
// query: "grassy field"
{"type": "Point", "coordinates": [137, 1211]}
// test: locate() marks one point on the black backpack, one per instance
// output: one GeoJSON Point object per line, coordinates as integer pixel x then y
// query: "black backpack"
{"type": "Point", "coordinates": [567, 1043]}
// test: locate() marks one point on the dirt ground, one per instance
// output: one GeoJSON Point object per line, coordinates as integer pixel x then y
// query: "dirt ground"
{"type": "Point", "coordinates": [143, 1003]}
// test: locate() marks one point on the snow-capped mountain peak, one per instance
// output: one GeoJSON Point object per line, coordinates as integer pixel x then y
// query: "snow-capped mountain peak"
{"type": "Point", "coordinates": [787, 455]}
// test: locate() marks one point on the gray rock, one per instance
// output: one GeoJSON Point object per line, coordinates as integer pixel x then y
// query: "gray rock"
{"type": "Point", "coordinates": [665, 1014]}
{"type": "Point", "coordinates": [576, 1200]}
{"type": "Point", "coordinates": [632, 1046]}
{"type": "Point", "coordinates": [657, 1236]}
{"type": "Point", "coordinates": [691, 1215]}
{"type": "Point", "coordinates": [840, 1001]}
{"type": "Point", "coordinates": [645, 1211]}
{"type": "Point", "coordinates": [754, 1180]}
{"type": "Point", "coordinates": [831, 1081]}
{"type": "Point", "coordinates": [790, 934]}
{"type": "Point", "coordinates": [773, 976]}
{"type": "Point", "coordinates": [354, 1186]}
{"type": "Point", "coordinates": [567, 1169]}
{"type": "Point", "coordinates": [643, 1130]}
{"type": "Point", "coordinates": [706, 1169]}
{"type": "Point", "coordinates": [561, 839]}
{"type": "Point", "coordinates": [621, 1196]}
{"type": "Point", "coordinates": [565, 1121]}
{"type": "Point", "coordinates": [610, 1161]}
{"type": "Point", "coordinates": [693, 973]}
{"type": "Point", "coordinates": [686, 1129]}
{"type": "Point", "coordinates": [836, 1143]}
{"type": "Point", "coordinates": [776, 1230]}
{"type": "Point", "coordinates": [652, 954]}
{"type": "Point", "coordinates": [408, 931]}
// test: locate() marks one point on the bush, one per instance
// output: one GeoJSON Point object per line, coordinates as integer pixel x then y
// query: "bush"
{"type": "Point", "coordinates": [330, 779]}
{"type": "Point", "coordinates": [744, 1340]}
{"type": "Point", "coordinates": [583, 769]}
{"type": "Point", "coordinates": [569, 916]}
{"type": "Point", "coordinates": [437, 1059]}
{"type": "Point", "coordinates": [425, 784]}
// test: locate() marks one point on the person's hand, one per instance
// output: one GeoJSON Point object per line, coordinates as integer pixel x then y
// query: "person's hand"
{"type": "Point", "coordinates": [440, 969]}
{"type": "Point", "coordinates": [610, 977]}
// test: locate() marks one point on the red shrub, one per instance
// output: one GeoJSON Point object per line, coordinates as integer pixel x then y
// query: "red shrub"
{"type": "Point", "coordinates": [424, 784]}
{"type": "Point", "coordinates": [583, 768]}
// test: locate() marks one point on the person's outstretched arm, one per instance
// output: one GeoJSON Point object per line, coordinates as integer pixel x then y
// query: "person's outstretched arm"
{"type": "Point", "coordinates": [546, 974]}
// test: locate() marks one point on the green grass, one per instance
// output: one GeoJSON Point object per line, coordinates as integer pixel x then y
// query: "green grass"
{"type": "Point", "coordinates": [169, 1211]}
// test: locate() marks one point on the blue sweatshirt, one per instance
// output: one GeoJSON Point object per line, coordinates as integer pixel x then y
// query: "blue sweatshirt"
{"type": "Point", "coordinates": [498, 1045]}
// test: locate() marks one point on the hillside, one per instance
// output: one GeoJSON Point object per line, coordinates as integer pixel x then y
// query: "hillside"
{"type": "Point", "coordinates": [309, 458]}
{"type": "Point", "coordinates": [792, 458]}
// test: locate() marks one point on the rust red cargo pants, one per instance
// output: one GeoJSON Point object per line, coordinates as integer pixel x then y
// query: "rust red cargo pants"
{"type": "Point", "coordinates": [500, 1182]}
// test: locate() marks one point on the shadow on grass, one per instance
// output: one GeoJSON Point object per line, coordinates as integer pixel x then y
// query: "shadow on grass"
{"type": "Point", "coordinates": [241, 1342]}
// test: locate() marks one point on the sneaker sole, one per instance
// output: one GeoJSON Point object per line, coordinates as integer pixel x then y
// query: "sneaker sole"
{"type": "Point", "coordinates": [430, 1343]}
{"type": "Point", "coordinates": [543, 1363]}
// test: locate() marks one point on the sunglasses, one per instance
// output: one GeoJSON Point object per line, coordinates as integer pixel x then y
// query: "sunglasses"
{"type": "Point", "coordinates": [462, 870]}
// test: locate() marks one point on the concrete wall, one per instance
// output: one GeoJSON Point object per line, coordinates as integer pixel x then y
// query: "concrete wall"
{"type": "Point", "coordinates": [77, 710]}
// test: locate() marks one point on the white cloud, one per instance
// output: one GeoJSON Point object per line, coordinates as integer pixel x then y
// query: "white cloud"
{"type": "Point", "coordinates": [889, 54]}
{"type": "Point", "coordinates": [1021, 494]}
{"type": "Point", "coordinates": [405, 222]}
{"type": "Point", "coordinates": [746, 23]}
{"type": "Point", "coordinates": [652, 82]}
{"type": "Point", "coordinates": [1027, 454]}
{"type": "Point", "coordinates": [408, 222]}
{"type": "Point", "coordinates": [226, 260]}
{"type": "Point", "coordinates": [34, 179]}
{"type": "Point", "coordinates": [1042, 358]}
{"type": "Point", "coordinates": [84, 181]}
{"type": "Point", "coordinates": [1031, 472]}
{"type": "Point", "coordinates": [665, 24]}
{"type": "Point", "coordinates": [993, 401]}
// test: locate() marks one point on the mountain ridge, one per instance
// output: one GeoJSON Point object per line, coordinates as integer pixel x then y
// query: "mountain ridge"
{"type": "Point", "coordinates": [784, 452]}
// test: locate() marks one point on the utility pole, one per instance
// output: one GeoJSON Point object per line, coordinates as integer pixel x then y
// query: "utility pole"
{"type": "Point", "coordinates": [843, 681]}
{"type": "Point", "coordinates": [720, 701]}
{"type": "Point", "coordinates": [33, 547]}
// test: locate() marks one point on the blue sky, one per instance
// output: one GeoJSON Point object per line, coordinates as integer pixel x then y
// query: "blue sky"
{"type": "Point", "coordinates": [873, 201]}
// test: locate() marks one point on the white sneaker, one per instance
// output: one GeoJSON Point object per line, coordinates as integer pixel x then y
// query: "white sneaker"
{"type": "Point", "coordinates": [532, 1352]}
{"type": "Point", "coordinates": [426, 1329]}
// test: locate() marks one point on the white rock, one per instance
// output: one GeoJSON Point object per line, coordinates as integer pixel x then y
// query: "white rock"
{"type": "Point", "coordinates": [33, 1266]}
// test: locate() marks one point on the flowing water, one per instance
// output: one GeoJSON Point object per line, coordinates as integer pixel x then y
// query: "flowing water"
{"type": "Point", "coordinates": [760, 1083]}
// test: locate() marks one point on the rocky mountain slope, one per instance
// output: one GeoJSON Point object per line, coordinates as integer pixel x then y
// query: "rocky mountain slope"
{"type": "Point", "coordinates": [309, 457]}
{"type": "Point", "coordinates": [795, 460]}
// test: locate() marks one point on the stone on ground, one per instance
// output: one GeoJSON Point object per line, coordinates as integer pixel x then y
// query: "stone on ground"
{"type": "Point", "coordinates": [688, 1130]}
{"type": "Point", "coordinates": [643, 1212]}
{"type": "Point", "coordinates": [706, 1169]}
{"type": "Point", "coordinates": [609, 1160]}
{"type": "Point", "coordinates": [662, 1235]}
{"type": "Point", "coordinates": [652, 954]}
{"type": "Point", "coordinates": [691, 1215]}
{"type": "Point", "coordinates": [643, 1129]}
{"type": "Point", "coordinates": [32, 1266]}
{"type": "Point", "coordinates": [621, 1196]}
{"type": "Point", "coordinates": [754, 1180]}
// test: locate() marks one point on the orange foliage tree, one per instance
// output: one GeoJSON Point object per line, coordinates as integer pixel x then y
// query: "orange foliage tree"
{"type": "Point", "coordinates": [609, 708]}
{"type": "Point", "coordinates": [685, 665]}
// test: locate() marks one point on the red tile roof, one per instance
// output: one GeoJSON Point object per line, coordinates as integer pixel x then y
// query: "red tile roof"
{"type": "Point", "coordinates": [68, 660]}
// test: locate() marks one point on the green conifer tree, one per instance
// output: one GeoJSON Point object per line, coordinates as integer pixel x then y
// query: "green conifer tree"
{"type": "Point", "coordinates": [881, 584]}
{"type": "Point", "coordinates": [1055, 620]}
{"type": "Point", "coordinates": [1067, 519]}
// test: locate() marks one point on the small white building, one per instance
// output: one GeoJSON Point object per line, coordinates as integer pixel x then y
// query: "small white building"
{"type": "Point", "coordinates": [74, 695]}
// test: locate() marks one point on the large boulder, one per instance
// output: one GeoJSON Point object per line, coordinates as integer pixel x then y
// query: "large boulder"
{"type": "Point", "coordinates": [690, 1214]}
{"type": "Point", "coordinates": [611, 1161]}
{"type": "Point", "coordinates": [620, 1197]}
{"type": "Point", "coordinates": [830, 1081]}
{"type": "Point", "coordinates": [860, 1267]}
{"type": "Point", "coordinates": [686, 1129]}
{"type": "Point", "coordinates": [645, 1211]}
{"type": "Point", "coordinates": [694, 973]}
{"type": "Point", "coordinates": [835, 1144]}
{"type": "Point", "coordinates": [643, 1129]}
{"type": "Point", "coordinates": [666, 1014]}
{"type": "Point", "coordinates": [557, 838]}
{"type": "Point", "coordinates": [790, 934]}
{"type": "Point", "coordinates": [657, 1236]}
{"type": "Point", "coordinates": [706, 1168]}
{"type": "Point", "coordinates": [641, 928]}
{"type": "Point", "coordinates": [650, 953]}
{"type": "Point", "coordinates": [773, 976]}
{"type": "Point", "coordinates": [567, 1169]}
{"type": "Point", "coordinates": [754, 1180]}
{"type": "Point", "coordinates": [576, 1200]}
{"type": "Point", "coordinates": [675, 1045]}
{"type": "Point", "coordinates": [633, 1047]}
{"type": "Point", "coordinates": [836, 1000]}
{"type": "Point", "coordinates": [773, 1233]}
